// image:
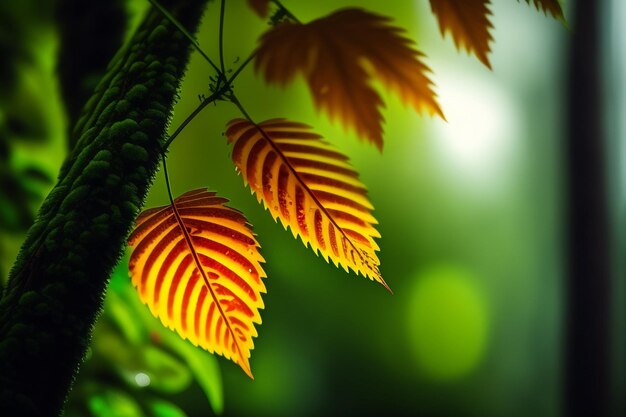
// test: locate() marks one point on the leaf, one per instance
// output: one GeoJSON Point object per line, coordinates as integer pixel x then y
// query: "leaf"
{"type": "Point", "coordinates": [468, 23]}
{"type": "Point", "coordinates": [161, 408]}
{"type": "Point", "coordinates": [205, 369]}
{"type": "Point", "coordinates": [261, 7]}
{"type": "Point", "coordinates": [196, 265]}
{"type": "Point", "coordinates": [339, 55]}
{"type": "Point", "coordinates": [311, 187]}
{"type": "Point", "coordinates": [549, 6]}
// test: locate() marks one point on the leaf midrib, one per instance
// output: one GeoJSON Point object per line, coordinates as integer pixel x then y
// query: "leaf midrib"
{"type": "Point", "coordinates": [192, 249]}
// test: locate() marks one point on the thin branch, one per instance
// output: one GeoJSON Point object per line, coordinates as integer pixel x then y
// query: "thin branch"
{"type": "Point", "coordinates": [220, 89]}
{"type": "Point", "coordinates": [189, 118]}
{"type": "Point", "coordinates": [241, 67]}
{"type": "Point", "coordinates": [184, 31]}
{"type": "Point", "coordinates": [221, 37]}
{"type": "Point", "coordinates": [286, 11]}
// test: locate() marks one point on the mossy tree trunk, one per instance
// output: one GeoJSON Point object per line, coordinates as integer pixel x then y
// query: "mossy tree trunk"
{"type": "Point", "coordinates": [57, 285]}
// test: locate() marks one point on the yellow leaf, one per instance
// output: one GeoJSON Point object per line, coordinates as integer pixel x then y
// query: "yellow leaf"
{"type": "Point", "coordinates": [311, 187]}
{"type": "Point", "coordinates": [261, 7]}
{"type": "Point", "coordinates": [550, 6]}
{"type": "Point", "coordinates": [339, 55]}
{"type": "Point", "coordinates": [468, 23]}
{"type": "Point", "coordinates": [196, 265]}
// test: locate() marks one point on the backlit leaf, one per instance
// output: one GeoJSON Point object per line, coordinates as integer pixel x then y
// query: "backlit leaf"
{"type": "Point", "coordinates": [468, 22]}
{"type": "Point", "coordinates": [549, 6]}
{"type": "Point", "coordinates": [311, 187]}
{"type": "Point", "coordinates": [339, 55]}
{"type": "Point", "coordinates": [261, 7]}
{"type": "Point", "coordinates": [196, 265]}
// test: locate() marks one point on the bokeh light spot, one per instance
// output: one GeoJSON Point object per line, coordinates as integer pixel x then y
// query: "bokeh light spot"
{"type": "Point", "coordinates": [141, 379]}
{"type": "Point", "coordinates": [448, 323]}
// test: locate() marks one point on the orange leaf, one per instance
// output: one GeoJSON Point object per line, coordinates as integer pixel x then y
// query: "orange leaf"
{"type": "Point", "coordinates": [338, 55]}
{"type": "Point", "coordinates": [468, 23]}
{"type": "Point", "coordinates": [549, 6]}
{"type": "Point", "coordinates": [261, 7]}
{"type": "Point", "coordinates": [196, 265]}
{"type": "Point", "coordinates": [311, 187]}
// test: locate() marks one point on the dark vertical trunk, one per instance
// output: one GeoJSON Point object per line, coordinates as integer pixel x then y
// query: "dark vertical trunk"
{"type": "Point", "coordinates": [57, 285]}
{"type": "Point", "coordinates": [588, 300]}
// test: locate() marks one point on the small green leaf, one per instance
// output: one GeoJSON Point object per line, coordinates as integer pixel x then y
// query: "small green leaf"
{"type": "Point", "coordinates": [113, 403]}
{"type": "Point", "coordinates": [162, 408]}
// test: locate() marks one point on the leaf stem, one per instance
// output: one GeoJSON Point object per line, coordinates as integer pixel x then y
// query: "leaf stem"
{"type": "Point", "coordinates": [189, 118]}
{"type": "Point", "coordinates": [167, 177]}
{"type": "Point", "coordinates": [184, 31]}
{"type": "Point", "coordinates": [220, 89]}
{"type": "Point", "coordinates": [241, 67]}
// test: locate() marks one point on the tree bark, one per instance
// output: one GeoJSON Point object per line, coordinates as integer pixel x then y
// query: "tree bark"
{"type": "Point", "coordinates": [57, 284]}
{"type": "Point", "coordinates": [588, 376]}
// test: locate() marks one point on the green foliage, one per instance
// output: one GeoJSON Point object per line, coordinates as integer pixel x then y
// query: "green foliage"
{"type": "Point", "coordinates": [145, 362]}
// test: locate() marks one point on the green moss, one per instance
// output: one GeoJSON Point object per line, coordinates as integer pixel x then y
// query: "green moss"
{"type": "Point", "coordinates": [103, 218]}
{"type": "Point", "coordinates": [55, 291]}
{"type": "Point", "coordinates": [137, 94]}
{"type": "Point", "coordinates": [132, 152]}
{"type": "Point", "coordinates": [122, 106]}
{"type": "Point", "coordinates": [103, 155]}
{"type": "Point", "coordinates": [139, 138]}
{"type": "Point", "coordinates": [168, 78]}
{"type": "Point", "coordinates": [155, 66]}
{"type": "Point", "coordinates": [136, 67]}
{"type": "Point", "coordinates": [73, 258]}
{"type": "Point", "coordinates": [112, 180]}
{"type": "Point", "coordinates": [107, 113]}
{"type": "Point", "coordinates": [29, 298]}
{"type": "Point", "coordinates": [130, 208]}
{"type": "Point", "coordinates": [96, 169]}
{"type": "Point", "coordinates": [40, 309]}
{"type": "Point", "coordinates": [75, 197]}
{"type": "Point", "coordinates": [51, 240]}
{"type": "Point", "coordinates": [156, 115]}
{"type": "Point", "coordinates": [123, 128]}
{"type": "Point", "coordinates": [158, 33]}
{"type": "Point", "coordinates": [116, 215]}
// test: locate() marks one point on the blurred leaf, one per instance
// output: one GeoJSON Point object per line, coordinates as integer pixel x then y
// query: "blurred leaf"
{"type": "Point", "coordinates": [198, 252]}
{"type": "Point", "coordinates": [261, 7]}
{"type": "Point", "coordinates": [203, 366]}
{"type": "Point", "coordinates": [113, 403]}
{"type": "Point", "coordinates": [167, 374]}
{"type": "Point", "coordinates": [162, 408]}
{"type": "Point", "coordinates": [468, 23]}
{"type": "Point", "coordinates": [311, 187]}
{"type": "Point", "coordinates": [549, 6]}
{"type": "Point", "coordinates": [339, 55]}
{"type": "Point", "coordinates": [117, 311]}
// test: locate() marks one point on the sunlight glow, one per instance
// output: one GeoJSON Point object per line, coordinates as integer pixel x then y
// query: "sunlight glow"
{"type": "Point", "coordinates": [476, 143]}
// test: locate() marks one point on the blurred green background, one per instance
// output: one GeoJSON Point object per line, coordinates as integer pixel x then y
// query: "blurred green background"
{"type": "Point", "coordinates": [470, 215]}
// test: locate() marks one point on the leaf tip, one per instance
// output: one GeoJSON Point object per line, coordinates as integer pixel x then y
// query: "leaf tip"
{"type": "Point", "coordinates": [245, 365]}
{"type": "Point", "coordinates": [384, 284]}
